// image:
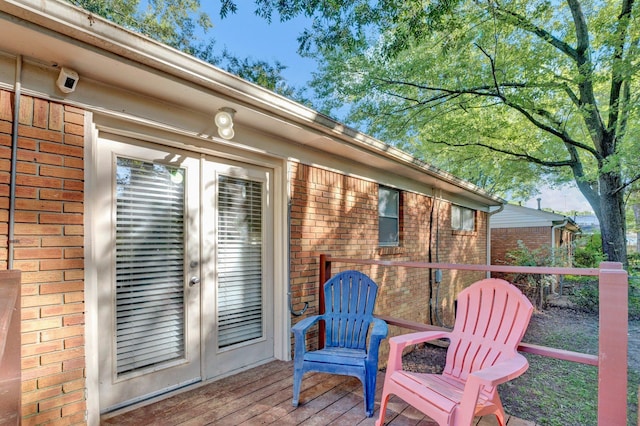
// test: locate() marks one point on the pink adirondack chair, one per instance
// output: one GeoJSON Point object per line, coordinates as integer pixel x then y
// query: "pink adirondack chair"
{"type": "Point", "coordinates": [492, 316]}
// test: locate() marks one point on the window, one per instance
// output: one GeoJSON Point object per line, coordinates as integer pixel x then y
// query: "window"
{"type": "Point", "coordinates": [463, 219]}
{"type": "Point", "coordinates": [150, 251]}
{"type": "Point", "coordinates": [388, 216]}
{"type": "Point", "coordinates": [240, 300]}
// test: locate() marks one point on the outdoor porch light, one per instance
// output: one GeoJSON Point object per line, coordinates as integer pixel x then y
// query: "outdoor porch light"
{"type": "Point", "coordinates": [224, 121]}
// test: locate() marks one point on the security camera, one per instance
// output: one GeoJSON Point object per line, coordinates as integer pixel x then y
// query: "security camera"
{"type": "Point", "coordinates": [67, 80]}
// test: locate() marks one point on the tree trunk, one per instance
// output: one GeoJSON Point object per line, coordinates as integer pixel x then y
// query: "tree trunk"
{"type": "Point", "coordinates": [612, 219]}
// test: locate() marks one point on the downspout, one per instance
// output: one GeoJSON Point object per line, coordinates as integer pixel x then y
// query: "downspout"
{"type": "Point", "coordinates": [438, 272]}
{"type": "Point", "coordinates": [553, 253]}
{"type": "Point", "coordinates": [489, 214]}
{"type": "Point", "coordinates": [553, 237]}
{"type": "Point", "coordinates": [14, 160]}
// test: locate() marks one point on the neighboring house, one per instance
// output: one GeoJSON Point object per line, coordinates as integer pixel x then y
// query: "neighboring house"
{"type": "Point", "coordinates": [588, 223]}
{"type": "Point", "coordinates": [534, 227]}
{"type": "Point", "coordinates": [159, 249]}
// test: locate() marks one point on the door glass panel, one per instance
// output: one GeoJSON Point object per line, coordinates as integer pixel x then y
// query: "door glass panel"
{"type": "Point", "coordinates": [240, 298]}
{"type": "Point", "coordinates": [150, 252]}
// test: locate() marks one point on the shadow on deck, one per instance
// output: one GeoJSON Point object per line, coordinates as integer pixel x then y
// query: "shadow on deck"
{"type": "Point", "coordinates": [262, 395]}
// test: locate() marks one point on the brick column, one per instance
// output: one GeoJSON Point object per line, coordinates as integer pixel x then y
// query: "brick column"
{"type": "Point", "coordinates": [49, 251]}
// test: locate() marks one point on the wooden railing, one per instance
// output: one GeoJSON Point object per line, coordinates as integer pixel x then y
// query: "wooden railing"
{"type": "Point", "coordinates": [611, 360]}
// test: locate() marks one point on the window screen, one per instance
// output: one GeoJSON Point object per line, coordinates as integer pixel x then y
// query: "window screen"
{"type": "Point", "coordinates": [388, 216]}
{"type": "Point", "coordinates": [463, 219]}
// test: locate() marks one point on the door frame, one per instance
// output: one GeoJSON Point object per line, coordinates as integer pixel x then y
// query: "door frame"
{"type": "Point", "coordinates": [97, 125]}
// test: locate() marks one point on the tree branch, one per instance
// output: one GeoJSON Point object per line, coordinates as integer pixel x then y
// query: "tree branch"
{"type": "Point", "coordinates": [443, 94]}
{"type": "Point", "coordinates": [626, 184]}
{"type": "Point", "coordinates": [581, 55]}
{"type": "Point", "coordinates": [561, 134]}
{"type": "Point", "coordinates": [617, 77]}
{"type": "Point", "coordinates": [521, 156]}
{"type": "Point", "coordinates": [588, 103]}
{"type": "Point", "coordinates": [523, 23]}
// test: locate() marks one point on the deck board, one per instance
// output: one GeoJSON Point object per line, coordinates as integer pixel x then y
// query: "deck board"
{"type": "Point", "coordinates": [262, 396]}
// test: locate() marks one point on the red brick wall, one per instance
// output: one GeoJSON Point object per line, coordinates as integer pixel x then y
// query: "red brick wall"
{"type": "Point", "coordinates": [338, 215]}
{"type": "Point", "coordinates": [330, 213]}
{"type": "Point", "coordinates": [49, 251]}
{"type": "Point", "coordinates": [506, 239]}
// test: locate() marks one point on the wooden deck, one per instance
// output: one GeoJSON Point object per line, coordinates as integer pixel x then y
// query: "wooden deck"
{"type": "Point", "coordinates": [262, 396]}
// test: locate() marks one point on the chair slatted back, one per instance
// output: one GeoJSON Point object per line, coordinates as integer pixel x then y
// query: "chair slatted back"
{"type": "Point", "coordinates": [349, 297]}
{"type": "Point", "coordinates": [491, 320]}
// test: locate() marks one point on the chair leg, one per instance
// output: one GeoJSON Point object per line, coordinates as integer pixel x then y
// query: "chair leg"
{"type": "Point", "coordinates": [383, 408]}
{"type": "Point", "coordinates": [498, 410]}
{"type": "Point", "coordinates": [297, 379]}
{"type": "Point", "coordinates": [499, 413]}
{"type": "Point", "coordinates": [369, 386]}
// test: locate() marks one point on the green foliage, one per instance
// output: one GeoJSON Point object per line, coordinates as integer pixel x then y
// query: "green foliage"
{"type": "Point", "coordinates": [586, 295]}
{"type": "Point", "coordinates": [634, 262]}
{"type": "Point", "coordinates": [588, 251]}
{"type": "Point", "coordinates": [503, 94]}
{"type": "Point", "coordinates": [172, 22]}
{"type": "Point", "coordinates": [536, 286]}
{"type": "Point", "coordinates": [544, 255]}
{"type": "Point", "coordinates": [633, 211]}
{"type": "Point", "coordinates": [263, 74]}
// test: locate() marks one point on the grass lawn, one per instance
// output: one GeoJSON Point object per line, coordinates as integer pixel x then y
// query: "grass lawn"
{"type": "Point", "coordinates": [560, 393]}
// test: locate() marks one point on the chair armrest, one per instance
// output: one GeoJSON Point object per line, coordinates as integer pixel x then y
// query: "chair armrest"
{"type": "Point", "coordinates": [491, 376]}
{"type": "Point", "coordinates": [301, 327]}
{"type": "Point", "coordinates": [380, 329]}
{"type": "Point", "coordinates": [502, 371]}
{"type": "Point", "coordinates": [378, 332]}
{"type": "Point", "coordinates": [398, 343]}
{"type": "Point", "coordinates": [405, 340]}
{"type": "Point", "coordinates": [299, 331]}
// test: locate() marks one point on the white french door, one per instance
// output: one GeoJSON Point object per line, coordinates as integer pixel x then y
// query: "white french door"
{"type": "Point", "coordinates": [238, 305]}
{"type": "Point", "coordinates": [185, 275]}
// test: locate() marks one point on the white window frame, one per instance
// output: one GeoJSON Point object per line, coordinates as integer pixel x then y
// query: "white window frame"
{"type": "Point", "coordinates": [462, 218]}
{"type": "Point", "coordinates": [385, 215]}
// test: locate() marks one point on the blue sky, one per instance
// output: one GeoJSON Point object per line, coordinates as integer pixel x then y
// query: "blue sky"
{"type": "Point", "coordinates": [247, 35]}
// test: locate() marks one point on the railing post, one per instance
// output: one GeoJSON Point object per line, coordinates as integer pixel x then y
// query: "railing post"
{"type": "Point", "coordinates": [324, 275]}
{"type": "Point", "coordinates": [613, 344]}
{"type": "Point", "coordinates": [10, 372]}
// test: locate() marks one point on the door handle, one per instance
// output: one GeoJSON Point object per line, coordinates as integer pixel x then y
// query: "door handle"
{"type": "Point", "coordinates": [193, 281]}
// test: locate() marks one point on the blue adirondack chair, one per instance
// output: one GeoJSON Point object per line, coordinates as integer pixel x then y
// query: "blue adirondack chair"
{"type": "Point", "coordinates": [350, 297]}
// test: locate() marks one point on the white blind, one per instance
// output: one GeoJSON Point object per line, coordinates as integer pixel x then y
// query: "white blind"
{"type": "Point", "coordinates": [149, 264]}
{"type": "Point", "coordinates": [239, 261]}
